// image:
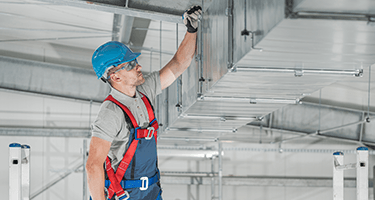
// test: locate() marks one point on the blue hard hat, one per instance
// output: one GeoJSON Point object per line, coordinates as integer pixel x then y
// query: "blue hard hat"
{"type": "Point", "coordinates": [110, 54]}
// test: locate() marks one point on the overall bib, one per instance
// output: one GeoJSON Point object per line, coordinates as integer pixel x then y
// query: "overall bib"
{"type": "Point", "coordinates": [137, 176]}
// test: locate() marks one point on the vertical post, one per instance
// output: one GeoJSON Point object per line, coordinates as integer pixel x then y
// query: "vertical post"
{"type": "Point", "coordinates": [15, 171]}
{"type": "Point", "coordinates": [84, 151]}
{"type": "Point", "coordinates": [338, 176]}
{"type": "Point", "coordinates": [220, 171]}
{"type": "Point", "coordinates": [362, 173]}
{"type": "Point", "coordinates": [25, 171]}
{"type": "Point", "coordinates": [213, 178]}
{"type": "Point", "coordinates": [373, 181]}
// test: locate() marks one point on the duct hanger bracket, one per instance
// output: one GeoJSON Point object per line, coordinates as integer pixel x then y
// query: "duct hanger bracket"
{"type": "Point", "coordinates": [298, 73]}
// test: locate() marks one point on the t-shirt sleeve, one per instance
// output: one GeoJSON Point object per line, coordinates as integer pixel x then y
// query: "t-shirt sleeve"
{"type": "Point", "coordinates": [107, 124]}
{"type": "Point", "coordinates": [152, 86]}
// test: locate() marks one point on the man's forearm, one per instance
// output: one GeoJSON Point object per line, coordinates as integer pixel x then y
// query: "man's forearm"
{"type": "Point", "coordinates": [180, 61]}
{"type": "Point", "coordinates": [185, 53]}
{"type": "Point", "coordinates": [95, 179]}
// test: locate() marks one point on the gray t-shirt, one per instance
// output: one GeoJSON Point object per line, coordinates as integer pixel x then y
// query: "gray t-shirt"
{"type": "Point", "coordinates": [110, 124]}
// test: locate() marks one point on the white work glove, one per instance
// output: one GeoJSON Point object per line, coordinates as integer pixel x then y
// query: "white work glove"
{"type": "Point", "coordinates": [191, 17]}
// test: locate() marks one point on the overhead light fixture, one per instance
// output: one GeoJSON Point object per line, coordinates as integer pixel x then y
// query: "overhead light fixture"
{"type": "Point", "coordinates": [300, 72]}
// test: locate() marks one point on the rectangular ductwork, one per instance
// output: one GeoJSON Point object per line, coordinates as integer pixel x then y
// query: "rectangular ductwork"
{"type": "Point", "coordinates": [220, 46]}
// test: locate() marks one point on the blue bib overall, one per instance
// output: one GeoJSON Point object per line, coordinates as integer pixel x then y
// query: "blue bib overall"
{"type": "Point", "coordinates": [137, 176]}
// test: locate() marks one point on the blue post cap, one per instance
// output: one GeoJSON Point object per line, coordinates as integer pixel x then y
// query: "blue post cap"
{"type": "Point", "coordinates": [110, 54]}
{"type": "Point", "coordinates": [14, 145]}
{"type": "Point", "coordinates": [338, 153]}
{"type": "Point", "coordinates": [25, 146]}
{"type": "Point", "coordinates": [362, 149]}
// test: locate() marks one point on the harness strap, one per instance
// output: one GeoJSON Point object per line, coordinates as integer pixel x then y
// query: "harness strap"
{"type": "Point", "coordinates": [127, 184]}
{"type": "Point", "coordinates": [115, 187]}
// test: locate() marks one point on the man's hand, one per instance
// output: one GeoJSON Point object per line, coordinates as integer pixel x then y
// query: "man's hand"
{"type": "Point", "coordinates": [191, 17]}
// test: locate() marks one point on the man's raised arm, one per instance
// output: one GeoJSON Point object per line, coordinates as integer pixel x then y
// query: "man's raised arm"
{"type": "Point", "coordinates": [185, 52]}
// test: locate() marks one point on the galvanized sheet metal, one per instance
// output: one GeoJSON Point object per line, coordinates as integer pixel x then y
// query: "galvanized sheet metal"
{"type": "Point", "coordinates": [261, 17]}
{"type": "Point", "coordinates": [337, 6]}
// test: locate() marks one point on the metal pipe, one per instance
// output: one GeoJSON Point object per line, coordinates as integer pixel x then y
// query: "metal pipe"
{"type": "Point", "coordinates": [361, 128]}
{"type": "Point", "coordinates": [250, 100]}
{"type": "Point", "coordinates": [203, 130]}
{"type": "Point", "coordinates": [116, 27]}
{"type": "Point", "coordinates": [177, 173]}
{"type": "Point", "coordinates": [160, 97]}
{"type": "Point", "coordinates": [272, 100]}
{"type": "Point", "coordinates": [300, 72]}
{"type": "Point", "coordinates": [288, 150]}
{"type": "Point", "coordinates": [84, 175]}
{"type": "Point", "coordinates": [213, 178]}
{"type": "Point", "coordinates": [369, 91]}
{"type": "Point", "coordinates": [220, 118]}
{"type": "Point", "coordinates": [188, 139]}
{"type": "Point", "coordinates": [220, 151]}
{"type": "Point", "coordinates": [230, 34]}
{"type": "Point", "coordinates": [199, 59]}
{"type": "Point", "coordinates": [179, 82]}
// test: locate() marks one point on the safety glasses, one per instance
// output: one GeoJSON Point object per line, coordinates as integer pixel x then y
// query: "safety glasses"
{"type": "Point", "coordinates": [128, 66]}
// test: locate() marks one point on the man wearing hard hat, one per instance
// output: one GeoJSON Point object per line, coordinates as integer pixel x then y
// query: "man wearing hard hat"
{"type": "Point", "coordinates": [124, 134]}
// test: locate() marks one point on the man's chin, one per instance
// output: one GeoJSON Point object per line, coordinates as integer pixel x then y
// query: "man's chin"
{"type": "Point", "coordinates": [141, 81]}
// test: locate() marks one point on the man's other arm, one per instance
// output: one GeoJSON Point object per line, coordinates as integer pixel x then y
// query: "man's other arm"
{"type": "Point", "coordinates": [180, 61]}
{"type": "Point", "coordinates": [99, 149]}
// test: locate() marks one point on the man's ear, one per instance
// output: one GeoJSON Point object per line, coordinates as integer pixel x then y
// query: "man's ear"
{"type": "Point", "coordinates": [115, 77]}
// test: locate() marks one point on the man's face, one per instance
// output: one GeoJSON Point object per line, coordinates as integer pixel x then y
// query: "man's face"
{"type": "Point", "coordinates": [133, 77]}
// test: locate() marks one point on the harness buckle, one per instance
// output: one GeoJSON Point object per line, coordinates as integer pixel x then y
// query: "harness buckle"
{"type": "Point", "coordinates": [144, 183]}
{"type": "Point", "coordinates": [124, 196]}
{"type": "Point", "coordinates": [151, 131]}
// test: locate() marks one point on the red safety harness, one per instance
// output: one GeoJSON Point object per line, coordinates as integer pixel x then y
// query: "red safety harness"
{"type": "Point", "coordinates": [147, 133]}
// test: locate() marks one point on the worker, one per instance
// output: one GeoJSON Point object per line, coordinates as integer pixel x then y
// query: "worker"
{"type": "Point", "coordinates": [122, 160]}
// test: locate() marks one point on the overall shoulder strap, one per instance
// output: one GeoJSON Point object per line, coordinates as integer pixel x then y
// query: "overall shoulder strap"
{"type": "Point", "coordinates": [149, 107]}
